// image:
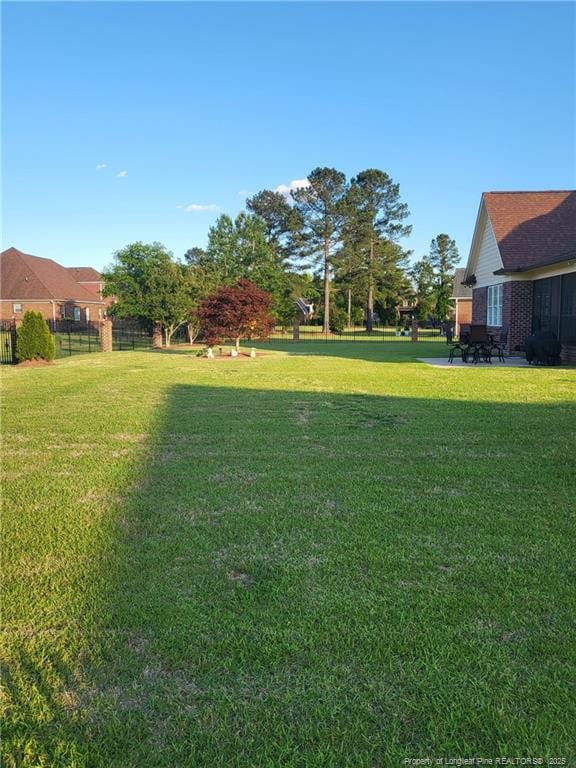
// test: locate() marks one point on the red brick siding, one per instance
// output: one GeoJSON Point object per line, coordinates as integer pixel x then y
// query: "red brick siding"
{"type": "Point", "coordinates": [517, 312]}
{"type": "Point", "coordinates": [479, 305]}
{"type": "Point", "coordinates": [46, 309]}
{"type": "Point", "coordinates": [463, 314]}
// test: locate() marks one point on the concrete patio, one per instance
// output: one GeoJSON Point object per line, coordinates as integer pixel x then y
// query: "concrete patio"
{"type": "Point", "coordinates": [440, 362]}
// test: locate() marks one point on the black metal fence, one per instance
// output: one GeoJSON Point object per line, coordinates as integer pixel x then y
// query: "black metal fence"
{"type": "Point", "coordinates": [359, 333]}
{"type": "Point", "coordinates": [74, 338]}
{"type": "Point", "coordinates": [8, 342]}
{"type": "Point", "coordinates": [130, 335]}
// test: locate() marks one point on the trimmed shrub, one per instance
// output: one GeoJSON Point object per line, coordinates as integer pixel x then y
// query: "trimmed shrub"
{"type": "Point", "coordinates": [34, 341]}
{"type": "Point", "coordinates": [338, 319]}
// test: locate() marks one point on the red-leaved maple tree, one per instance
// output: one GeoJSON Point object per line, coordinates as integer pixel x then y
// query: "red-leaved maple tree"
{"type": "Point", "coordinates": [240, 311]}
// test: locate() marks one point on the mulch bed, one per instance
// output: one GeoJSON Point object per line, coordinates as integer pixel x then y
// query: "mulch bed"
{"type": "Point", "coordinates": [34, 363]}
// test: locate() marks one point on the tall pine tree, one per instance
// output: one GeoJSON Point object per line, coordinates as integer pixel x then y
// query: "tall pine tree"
{"type": "Point", "coordinates": [374, 222]}
{"type": "Point", "coordinates": [322, 208]}
{"type": "Point", "coordinates": [443, 258]}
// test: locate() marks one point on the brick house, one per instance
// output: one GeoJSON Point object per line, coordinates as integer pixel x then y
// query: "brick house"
{"type": "Point", "coordinates": [89, 278]}
{"type": "Point", "coordinates": [462, 301]}
{"type": "Point", "coordinates": [41, 285]}
{"type": "Point", "coordinates": [522, 266]}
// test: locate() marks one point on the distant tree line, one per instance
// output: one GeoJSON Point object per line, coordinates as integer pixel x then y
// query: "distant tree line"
{"type": "Point", "coordinates": [336, 243]}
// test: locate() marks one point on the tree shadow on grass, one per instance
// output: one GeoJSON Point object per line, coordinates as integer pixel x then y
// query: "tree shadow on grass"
{"type": "Point", "coordinates": [305, 579]}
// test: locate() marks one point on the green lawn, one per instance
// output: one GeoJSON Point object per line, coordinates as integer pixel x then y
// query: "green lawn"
{"type": "Point", "coordinates": [336, 558]}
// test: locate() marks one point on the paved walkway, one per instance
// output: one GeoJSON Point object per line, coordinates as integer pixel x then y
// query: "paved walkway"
{"type": "Point", "coordinates": [442, 362]}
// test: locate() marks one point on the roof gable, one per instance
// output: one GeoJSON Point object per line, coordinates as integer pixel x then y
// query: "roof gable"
{"type": "Point", "coordinates": [460, 291]}
{"type": "Point", "coordinates": [532, 229]}
{"type": "Point", "coordinates": [30, 277]}
{"type": "Point", "coordinates": [484, 256]}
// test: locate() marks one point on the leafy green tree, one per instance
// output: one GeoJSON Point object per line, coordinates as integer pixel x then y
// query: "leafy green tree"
{"type": "Point", "coordinates": [243, 248]}
{"type": "Point", "coordinates": [391, 281]}
{"type": "Point", "coordinates": [443, 257]}
{"type": "Point", "coordinates": [34, 340]}
{"type": "Point", "coordinates": [295, 286]}
{"type": "Point", "coordinates": [348, 267]}
{"type": "Point", "coordinates": [150, 287]}
{"type": "Point", "coordinates": [374, 222]}
{"type": "Point", "coordinates": [282, 220]}
{"type": "Point", "coordinates": [195, 256]}
{"type": "Point", "coordinates": [254, 253]}
{"type": "Point", "coordinates": [221, 253]}
{"type": "Point", "coordinates": [422, 274]}
{"type": "Point", "coordinates": [322, 208]}
{"type": "Point", "coordinates": [237, 249]}
{"type": "Point", "coordinates": [377, 280]}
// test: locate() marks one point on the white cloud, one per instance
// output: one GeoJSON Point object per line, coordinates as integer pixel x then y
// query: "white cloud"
{"type": "Point", "coordinates": [101, 165]}
{"type": "Point", "coordinates": [197, 208]}
{"type": "Point", "coordinates": [285, 189]}
{"type": "Point", "coordinates": [121, 174]}
{"type": "Point", "coordinates": [244, 193]}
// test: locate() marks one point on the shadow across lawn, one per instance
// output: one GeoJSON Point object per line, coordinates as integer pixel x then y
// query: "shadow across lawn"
{"type": "Point", "coordinates": [313, 579]}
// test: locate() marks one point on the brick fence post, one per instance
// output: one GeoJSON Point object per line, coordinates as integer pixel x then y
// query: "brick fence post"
{"type": "Point", "coordinates": [106, 335]}
{"type": "Point", "coordinates": [296, 330]}
{"type": "Point", "coordinates": [414, 336]}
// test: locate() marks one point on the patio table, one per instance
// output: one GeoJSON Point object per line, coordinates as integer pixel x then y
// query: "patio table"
{"type": "Point", "coordinates": [475, 342]}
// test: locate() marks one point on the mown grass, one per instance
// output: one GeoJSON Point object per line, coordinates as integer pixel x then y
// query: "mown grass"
{"type": "Point", "coordinates": [335, 558]}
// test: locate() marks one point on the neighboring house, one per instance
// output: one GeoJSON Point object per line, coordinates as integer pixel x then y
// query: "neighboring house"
{"type": "Point", "coordinates": [462, 298]}
{"type": "Point", "coordinates": [522, 266]}
{"type": "Point", "coordinates": [41, 285]}
{"type": "Point", "coordinates": [89, 278]}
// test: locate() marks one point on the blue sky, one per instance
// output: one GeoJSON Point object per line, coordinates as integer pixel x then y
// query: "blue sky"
{"type": "Point", "coordinates": [196, 104]}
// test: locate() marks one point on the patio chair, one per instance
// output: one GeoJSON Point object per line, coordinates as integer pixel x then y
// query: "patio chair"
{"type": "Point", "coordinates": [448, 330]}
{"type": "Point", "coordinates": [461, 345]}
{"type": "Point", "coordinates": [479, 344]}
{"type": "Point", "coordinates": [499, 342]}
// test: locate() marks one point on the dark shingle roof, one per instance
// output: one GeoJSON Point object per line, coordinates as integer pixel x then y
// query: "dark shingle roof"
{"type": "Point", "coordinates": [30, 277]}
{"type": "Point", "coordinates": [533, 228]}
{"type": "Point", "coordinates": [85, 274]}
{"type": "Point", "coordinates": [461, 291]}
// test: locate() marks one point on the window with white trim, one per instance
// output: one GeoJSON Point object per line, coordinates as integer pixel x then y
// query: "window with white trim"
{"type": "Point", "coordinates": [494, 315]}
{"type": "Point", "coordinates": [17, 308]}
{"type": "Point", "coordinates": [77, 314]}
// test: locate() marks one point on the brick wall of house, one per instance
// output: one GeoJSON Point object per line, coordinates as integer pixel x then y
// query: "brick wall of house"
{"type": "Point", "coordinates": [517, 312]}
{"type": "Point", "coordinates": [479, 305]}
{"type": "Point", "coordinates": [46, 309]}
{"type": "Point", "coordinates": [463, 314]}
